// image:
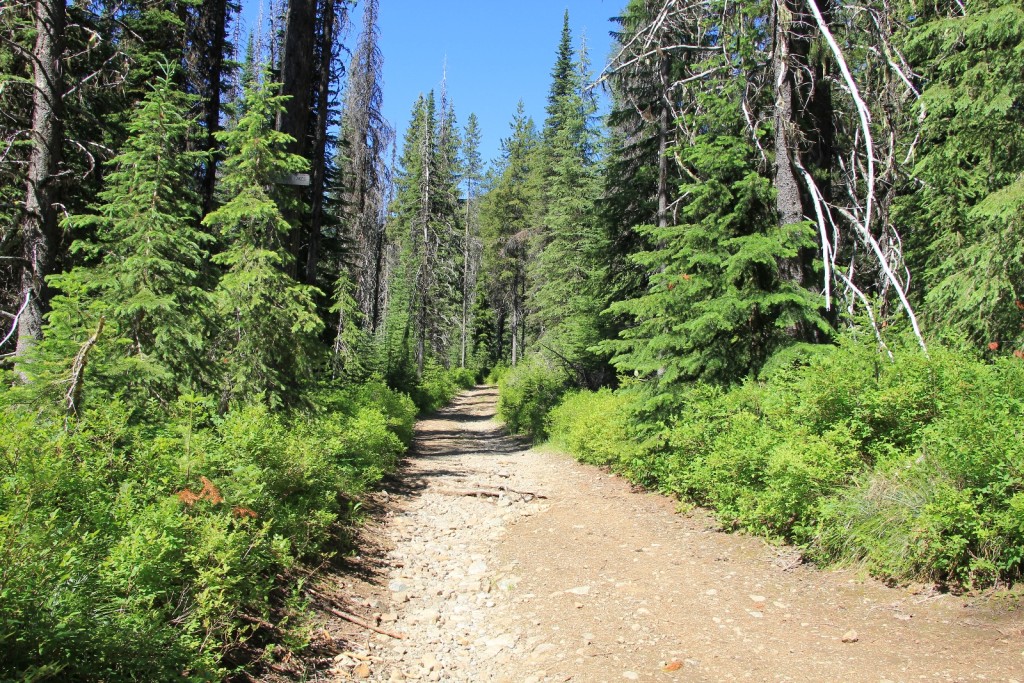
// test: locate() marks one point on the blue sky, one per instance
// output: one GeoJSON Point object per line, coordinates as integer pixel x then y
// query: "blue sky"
{"type": "Point", "coordinates": [497, 53]}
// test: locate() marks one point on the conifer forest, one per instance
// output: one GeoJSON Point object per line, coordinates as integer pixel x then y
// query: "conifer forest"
{"type": "Point", "coordinates": [766, 258]}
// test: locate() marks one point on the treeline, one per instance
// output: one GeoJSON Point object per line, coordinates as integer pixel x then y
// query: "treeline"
{"type": "Point", "coordinates": [794, 267]}
{"type": "Point", "coordinates": [197, 382]}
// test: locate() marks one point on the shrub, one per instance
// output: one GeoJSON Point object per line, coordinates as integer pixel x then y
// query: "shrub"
{"type": "Point", "coordinates": [135, 545]}
{"type": "Point", "coordinates": [594, 426]}
{"type": "Point", "coordinates": [527, 393]}
{"type": "Point", "coordinates": [913, 467]}
{"type": "Point", "coordinates": [438, 386]}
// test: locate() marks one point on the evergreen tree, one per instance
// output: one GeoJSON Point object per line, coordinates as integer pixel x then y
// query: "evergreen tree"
{"type": "Point", "coordinates": [364, 177]}
{"type": "Point", "coordinates": [965, 204]}
{"type": "Point", "coordinates": [505, 221]}
{"type": "Point", "coordinates": [472, 176]}
{"type": "Point", "coordinates": [568, 295]}
{"type": "Point", "coordinates": [426, 291]}
{"type": "Point", "coordinates": [718, 304]}
{"type": "Point", "coordinates": [267, 320]}
{"type": "Point", "coordinates": [149, 253]}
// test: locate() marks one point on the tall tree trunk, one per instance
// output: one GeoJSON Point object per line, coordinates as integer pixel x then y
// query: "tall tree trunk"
{"type": "Point", "coordinates": [38, 229]}
{"type": "Point", "coordinates": [297, 83]}
{"type": "Point", "coordinates": [319, 156]}
{"type": "Point", "coordinates": [663, 141]}
{"type": "Point", "coordinates": [207, 66]}
{"type": "Point", "coordinates": [465, 280]}
{"type": "Point", "coordinates": [804, 131]}
{"type": "Point", "coordinates": [787, 199]}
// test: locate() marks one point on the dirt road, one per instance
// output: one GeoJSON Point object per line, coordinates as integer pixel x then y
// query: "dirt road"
{"type": "Point", "coordinates": [556, 571]}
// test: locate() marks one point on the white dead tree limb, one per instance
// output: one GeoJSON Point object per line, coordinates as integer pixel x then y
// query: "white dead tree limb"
{"type": "Point", "coordinates": [15, 318]}
{"type": "Point", "coordinates": [864, 226]}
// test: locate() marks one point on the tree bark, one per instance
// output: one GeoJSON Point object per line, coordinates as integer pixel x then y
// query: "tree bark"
{"type": "Point", "coordinates": [297, 83]}
{"type": "Point", "coordinates": [38, 228]}
{"type": "Point", "coordinates": [319, 159]}
{"type": "Point", "coordinates": [208, 48]}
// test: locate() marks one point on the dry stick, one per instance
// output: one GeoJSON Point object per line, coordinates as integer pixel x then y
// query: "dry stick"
{"type": "Point", "coordinates": [78, 369]}
{"type": "Point", "coordinates": [484, 492]}
{"type": "Point", "coordinates": [365, 624]}
{"type": "Point", "coordinates": [351, 617]}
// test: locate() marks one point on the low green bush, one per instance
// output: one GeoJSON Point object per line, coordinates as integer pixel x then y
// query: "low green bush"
{"type": "Point", "coordinates": [439, 385]}
{"type": "Point", "coordinates": [526, 394]}
{"type": "Point", "coordinates": [495, 374]}
{"type": "Point", "coordinates": [913, 467]}
{"type": "Point", "coordinates": [594, 426]}
{"type": "Point", "coordinates": [143, 547]}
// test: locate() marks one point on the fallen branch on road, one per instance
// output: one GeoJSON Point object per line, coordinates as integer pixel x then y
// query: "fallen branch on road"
{"type": "Point", "coordinates": [489, 492]}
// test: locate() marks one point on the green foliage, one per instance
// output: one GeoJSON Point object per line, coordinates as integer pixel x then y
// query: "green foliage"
{"type": "Point", "coordinates": [267, 321]}
{"type": "Point", "coordinates": [144, 260]}
{"type": "Point", "coordinates": [964, 218]}
{"type": "Point", "coordinates": [136, 547]}
{"type": "Point", "coordinates": [912, 467]}
{"type": "Point", "coordinates": [527, 393]}
{"type": "Point", "coordinates": [439, 386]}
{"type": "Point", "coordinates": [594, 426]}
{"type": "Point", "coordinates": [717, 308]}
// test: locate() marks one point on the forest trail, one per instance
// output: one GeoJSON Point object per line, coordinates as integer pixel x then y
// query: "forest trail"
{"type": "Point", "coordinates": [597, 582]}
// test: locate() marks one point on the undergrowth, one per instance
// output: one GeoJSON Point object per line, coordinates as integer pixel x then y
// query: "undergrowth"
{"type": "Point", "coordinates": [144, 543]}
{"type": "Point", "coordinates": [913, 468]}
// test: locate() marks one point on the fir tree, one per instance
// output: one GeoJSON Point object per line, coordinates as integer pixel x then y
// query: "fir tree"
{"type": "Point", "coordinates": [506, 219]}
{"type": "Point", "coordinates": [148, 253]}
{"type": "Point", "coordinates": [567, 296]}
{"type": "Point", "coordinates": [717, 306]}
{"type": "Point", "coordinates": [267, 320]}
{"type": "Point", "coordinates": [966, 241]}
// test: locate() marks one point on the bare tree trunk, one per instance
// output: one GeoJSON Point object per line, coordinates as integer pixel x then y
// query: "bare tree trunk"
{"type": "Point", "coordinates": [663, 135]}
{"type": "Point", "coordinates": [297, 84]}
{"type": "Point", "coordinates": [38, 229]}
{"type": "Point", "coordinates": [319, 159]}
{"type": "Point", "coordinates": [208, 65]}
{"type": "Point", "coordinates": [787, 199]}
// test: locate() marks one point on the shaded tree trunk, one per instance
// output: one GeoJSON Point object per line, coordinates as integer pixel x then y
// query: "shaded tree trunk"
{"type": "Point", "coordinates": [319, 156]}
{"type": "Point", "coordinates": [207, 70]}
{"type": "Point", "coordinates": [297, 83]}
{"type": "Point", "coordinates": [38, 228]}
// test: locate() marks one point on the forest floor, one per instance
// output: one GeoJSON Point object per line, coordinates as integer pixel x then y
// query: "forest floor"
{"type": "Point", "coordinates": [559, 571]}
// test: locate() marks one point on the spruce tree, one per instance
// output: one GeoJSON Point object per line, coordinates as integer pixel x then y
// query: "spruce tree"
{"type": "Point", "coordinates": [147, 252]}
{"type": "Point", "coordinates": [718, 305]}
{"type": "Point", "coordinates": [964, 207]}
{"type": "Point", "coordinates": [506, 217]}
{"type": "Point", "coordinates": [567, 297]}
{"type": "Point", "coordinates": [472, 177]}
{"type": "Point", "coordinates": [267, 320]}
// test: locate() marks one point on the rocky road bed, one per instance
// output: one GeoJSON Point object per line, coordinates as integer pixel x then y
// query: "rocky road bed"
{"type": "Point", "coordinates": [500, 563]}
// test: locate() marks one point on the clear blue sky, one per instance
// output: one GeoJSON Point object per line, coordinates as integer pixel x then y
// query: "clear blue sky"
{"type": "Point", "coordinates": [497, 53]}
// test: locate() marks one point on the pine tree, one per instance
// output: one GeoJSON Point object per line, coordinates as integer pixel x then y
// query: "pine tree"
{"type": "Point", "coordinates": [267, 320]}
{"type": "Point", "coordinates": [568, 296]}
{"type": "Point", "coordinates": [426, 292]}
{"type": "Point", "coordinates": [146, 227]}
{"type": "Point", "coordinates": [364, 176]}
{"type": "Point", "coordinates": [472, 176]}
{"type": "Point", "coordinates": [718, 304]}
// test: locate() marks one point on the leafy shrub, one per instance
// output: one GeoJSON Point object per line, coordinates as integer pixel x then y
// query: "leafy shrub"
{"type": "Point", "coordinates": [438, 386]}
{"type": "Point", "coordinates": [527, 393]}
{"type": "Point", "coordinates": [137, 545]}
{"type": "Point", "coordinates": [495, 374]}
{"type": "Point", "coordinates": [594, 427]}
{"type": "Point", "coordinates": [914, 467]}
